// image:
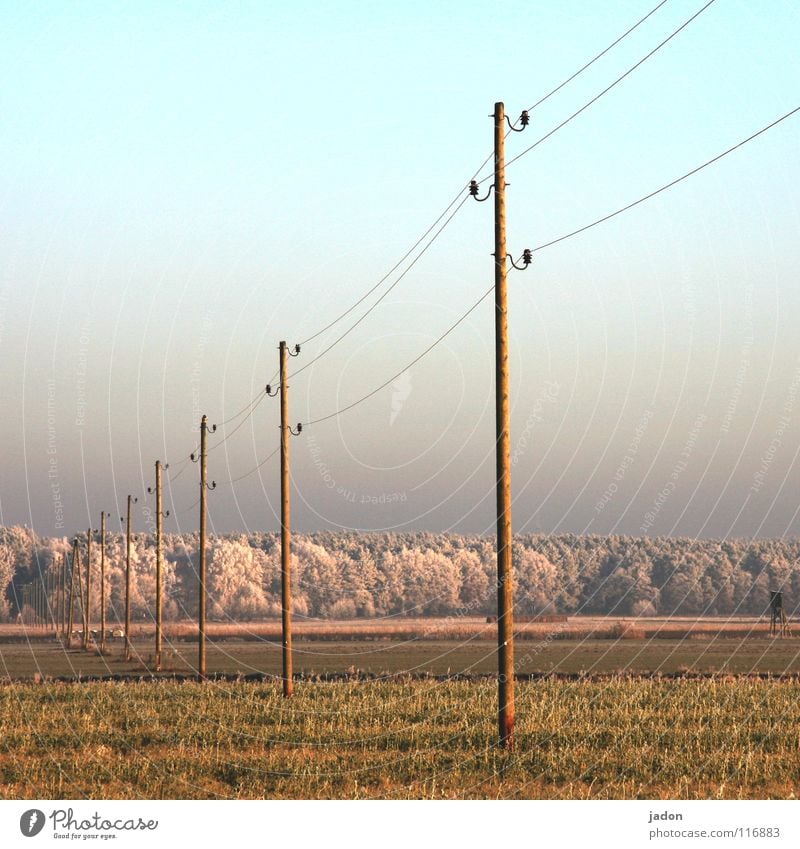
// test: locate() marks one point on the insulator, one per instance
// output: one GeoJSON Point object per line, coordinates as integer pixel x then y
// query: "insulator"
{"type": "Point", "coordinates": [299, 427]}
{"type": "Point", "coordinates": [473, 188]}
{"type": "Point", "coordinates": [297, 349]}
{"type": "Point", "coordinates": [526, 256]}
{"type": "Point", "coordinates": [269, 389]}
{"type": "Point", "coordinates": [524, 118]}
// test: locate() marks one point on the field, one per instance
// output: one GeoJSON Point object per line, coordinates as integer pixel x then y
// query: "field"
{"type": "Point", "coordinates": [424, 739]}
{"type": "Point", "coordinates": [440, 647]}
{"type": "Point", "coordinates": [606, 709]}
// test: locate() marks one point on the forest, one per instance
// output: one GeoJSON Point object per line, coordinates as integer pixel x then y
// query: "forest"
{"type": "Point", "coordinates": [341, 575]}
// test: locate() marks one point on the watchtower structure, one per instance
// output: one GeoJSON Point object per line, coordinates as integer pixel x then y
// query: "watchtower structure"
{"type": "Point", "coordinates": [778, 624]}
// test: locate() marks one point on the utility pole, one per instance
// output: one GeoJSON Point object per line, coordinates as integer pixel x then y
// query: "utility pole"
{"type": "Point", "coordinates": [160, 515]}
{"type": "Point", "coordinates": [82, 594]}
{"type": "Point", "coordinates": [88, 589]}
{"type": "Point", "coordinates": [201, 612]}
{"type": "Point", "coordinates": [131, 500]}
{"type": "Point", "coordinates": [55, 589]}
{"type": "Point", "coordinates": [505, 577]}
{"type": "Point", "coordinates": [103, 515]}
{"type": "Point", "coordinates": [62, 619]}
{"type": "Point", "coordinates": [73, 572]}
{"type": "Point", "coordinates": [51, 598]}
{"type": "Point", "coordinates": [286, 524]}
{"type": "Point", "coordinates": [286, 531]}
{"type": "Point", "coordinates": [505, 574]}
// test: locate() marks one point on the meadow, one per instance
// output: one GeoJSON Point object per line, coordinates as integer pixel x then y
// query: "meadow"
{"type": "Point", "coordinates": [48, 659]}
{"type": "Point", "coordinates": [649, 739]}
{"type": "Point", "coordinates": [606, 709]}
{"type": "Point", "coordinates": [420, 646]}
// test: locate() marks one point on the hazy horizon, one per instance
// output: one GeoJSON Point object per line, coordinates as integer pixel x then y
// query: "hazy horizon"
{"type": "Point", "coordinates": [182, 188]}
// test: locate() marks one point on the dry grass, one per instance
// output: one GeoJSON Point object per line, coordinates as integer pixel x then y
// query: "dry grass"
{"type": "Point", "coordinates": [450, 628]}
{"type": "Point", "coordinates": [613, 739]}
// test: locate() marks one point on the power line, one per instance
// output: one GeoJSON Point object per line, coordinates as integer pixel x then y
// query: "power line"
{"type": "Point", "coordinates": [252, 405]}
{"type": "Point", "coordinates": [242, 411]}
{"type": "Point", "coordinates": [181, 469]}
{"type": "Point", "coordinates": [442, 215]}
{"type": "Point", "coordinates": [227, 436]}
{"type": "Point", "coordinates": [353, 326]}
{"type": "Point", "coordinates": [253, 470]}
{"type": "Point", "coordinates": [408, 366]}
{"type": "Point", "coordinates": [668, 185]}
{"type": "Point", "coordinates": [602, 53]}
{"type": "Point", "coordinates": [397, 264]}
{"type": "Point", "coordinates": [187, 509]}
{"type": "Point", "coordinates": [548, 244]}
{"type": "Point", "coordinates": [475, 174]}
{"type": "Point", "coordinates": [609, 87]}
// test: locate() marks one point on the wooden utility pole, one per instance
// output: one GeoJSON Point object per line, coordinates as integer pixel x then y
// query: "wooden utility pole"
{"type": "Point", "coordinates": [505, 578]}
{"type": "Point", "coordinates": [82, 594]}
{"type": "Point", "coordinates": [159, 566]}
{"type": "Point", "coordinates": [73, 573]}
{"type": "Point", "coordinates": [286, 532]}
{"type": "Point", "coordinates": [103, 515]}
{"type": "Point", "coordinates": [52, 596]}
{"type": "Point", "coordinates": [55, 590]}
{"type": "Point", "coordinates": [201, 613]}
{"type": "Point", "coordinates": [49, 600]}
{"type": "Point", "coordinates": [62, 619]}
{"type": "Point", "coordinates": [88, 589]}
{"type": "Point", "coordinates": [131, 499]}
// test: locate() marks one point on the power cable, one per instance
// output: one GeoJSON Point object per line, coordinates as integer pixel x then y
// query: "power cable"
{"type": "Point", "coordinates": [413, 362]}
{"type": "Point", "coordinates": [354, 325]}
{"type": "Point", "coordinates": [602, 53]}
{"type": "Point", "coordinates": [608, 88]}
{"type": "Point", "coordinates": [548, 244]}
{"type": "Point", "coordinates": [668, 185]}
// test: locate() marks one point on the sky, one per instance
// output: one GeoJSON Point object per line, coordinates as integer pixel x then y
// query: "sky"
{"type": "Point", "coordinates": [182, 186]}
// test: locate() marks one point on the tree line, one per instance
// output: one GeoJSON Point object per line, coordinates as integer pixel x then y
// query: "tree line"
{"type": "Point", "coordinates": [346, 575]}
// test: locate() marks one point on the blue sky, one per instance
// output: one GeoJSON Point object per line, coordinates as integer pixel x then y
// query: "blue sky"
{"type": "Point", "coordinates": [183, 185]}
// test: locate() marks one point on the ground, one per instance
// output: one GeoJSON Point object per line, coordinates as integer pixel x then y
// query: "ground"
{"type": "Point", "coordinates": [661, 710]}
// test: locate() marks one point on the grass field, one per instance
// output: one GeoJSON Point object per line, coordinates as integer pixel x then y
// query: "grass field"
{"type": "Point", "coordinates": [424, 739]}
{"type": "Point", "coordinates": [447, 628]}
{"type": "Point", "coordinates": [421, 646]}
{"type": "Point", "coordinates": [381, 734]}
{"type": "Point", "coordinates": [22, 661]}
